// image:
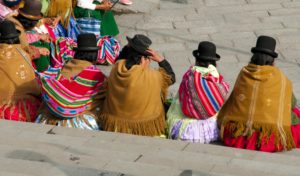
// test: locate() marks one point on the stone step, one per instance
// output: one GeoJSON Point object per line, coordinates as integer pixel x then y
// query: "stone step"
{"type": "Point", "coordinates": [122, 153]}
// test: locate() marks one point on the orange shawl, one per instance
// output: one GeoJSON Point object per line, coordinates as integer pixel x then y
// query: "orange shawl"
{"type": "Point", "coordinates": [133, 101]}
{"type": "Point", "coordinates": [260, 102]}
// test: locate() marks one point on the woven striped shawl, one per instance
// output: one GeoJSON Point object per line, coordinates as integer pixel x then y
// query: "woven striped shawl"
{"type": "Point", "coordinates": [67, 98]}
{"type": "Point", "coordinates": [201, 95]}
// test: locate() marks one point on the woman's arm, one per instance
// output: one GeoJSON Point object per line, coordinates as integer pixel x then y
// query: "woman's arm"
{"type": "Point", "coordinates": [105, 5]}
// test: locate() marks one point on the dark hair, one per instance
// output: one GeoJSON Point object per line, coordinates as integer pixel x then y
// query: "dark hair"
{"type": "Point", "coordinates": [202, 63]}
{"type": "Point", "coordinates": [262, 59]}
{"type": "Point", "coordinates": [86, 55]}
{"type": "Point", "coordinates": [132, 57]}
{"type": "Point", "coordinates": [27, 23]}
{"type": "Point", "coordinates": [15, 40]}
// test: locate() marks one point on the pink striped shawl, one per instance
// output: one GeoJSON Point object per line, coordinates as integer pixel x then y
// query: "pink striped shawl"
{"type": "Point", "coordinates": [201, 97]}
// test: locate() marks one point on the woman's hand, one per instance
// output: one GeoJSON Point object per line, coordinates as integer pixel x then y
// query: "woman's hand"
{"type": "Point", "coordinates": [45, 37]}
{"type": "Point", "coordinates": [154, 55]}
{"type": "Point", "coordinates": [105, 5]}
{"type": "Point", "coordinates": [44, 51]}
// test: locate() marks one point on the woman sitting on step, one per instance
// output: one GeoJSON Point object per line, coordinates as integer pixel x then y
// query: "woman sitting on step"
{"type": "Point", "coordinates": [19, 90]}
{"type": "Point", "coordinates": [192, 114]}
{"type": "Point", "coordinates": [261, 112]}
{"type": "Point", "coordinates": [136, 92]}
{"type": "Point", "coordinates": [99, 10]}
{"type": "Point", "coordinates": [70, 92]}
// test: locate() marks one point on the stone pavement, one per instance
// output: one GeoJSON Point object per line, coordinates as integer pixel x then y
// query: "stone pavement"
{"type": "Point", "coordinates": [176, 27]}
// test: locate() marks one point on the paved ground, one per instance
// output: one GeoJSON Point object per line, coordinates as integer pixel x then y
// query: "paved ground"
{"type": "Point", "coordinates": [176, 27]}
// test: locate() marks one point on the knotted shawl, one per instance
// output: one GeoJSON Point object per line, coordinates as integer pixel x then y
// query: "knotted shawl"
{"type": "Point", "coordinates": [260, 102]}
{"type": "Point", "coordinates": [72, 90]}
{"type": "Point", "coordinates": [110, 49]}
{"type": "Point", "coordinates": [202, 95]}
{"type": "Point", "coordinates": [134, 100]}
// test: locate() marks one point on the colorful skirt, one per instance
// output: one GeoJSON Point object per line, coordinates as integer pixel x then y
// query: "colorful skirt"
{"type": "Point", "coordinates": [108, 22]}
{"type": "Point", "coordinates": [25, 110]}
{"type": "Point", "coordinates": [187, 129]}
{"type": "Point", "coordinates": [266, 144]}
{"type": "Point", "coordinates": [86, 121]}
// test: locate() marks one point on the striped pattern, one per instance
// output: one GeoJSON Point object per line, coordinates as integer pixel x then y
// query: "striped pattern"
{"type": "Point", "coordinates": [62, 51]}
{"type": "Point", "coordinates": [89, 25]}
{"type": "Point", "coordinates": [68, 98]}
{"type": "Point", "coordinates": [200, 96]}
{"type": "Point", "coordinates": [110, 49]}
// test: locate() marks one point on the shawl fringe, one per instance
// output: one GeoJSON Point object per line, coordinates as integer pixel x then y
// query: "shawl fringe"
{"type": "Point", "coordinates": [153, 127]}
{"type": "Point", "coordinates": [284, 138]}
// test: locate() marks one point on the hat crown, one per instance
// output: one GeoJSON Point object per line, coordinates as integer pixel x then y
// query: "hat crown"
{"type": "Point", "coordinates": [8, 30]}
{"type": "Point", "coordinates": [266, 42]}
{"type": "Point", "coordinates": [87, 42]}
{"type": "Point", "coordinates": [141, 40]}
{"type": "Point", "coordinates": [207, 48]}
{"type": "Point", "coordinates": [140, 43]}
{"type": "Point", "coordinates": [32, 7]}
{"type": "Point", "coordinates": [265, 45]}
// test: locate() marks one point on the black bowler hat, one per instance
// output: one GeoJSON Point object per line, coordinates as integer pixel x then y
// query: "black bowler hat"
{"type": "Point", "coordinates": [32, 10]}
{"type": "Point", "coordinates": [140, 43]}
{"type": "Point", "coordinates": [87, 42]}
{"type": "Point", "coordinates": [206, 51]}
{"type": "Point", "coordinates": [8, 30]}
{"type": "Point", "coordinates": [266, 45]}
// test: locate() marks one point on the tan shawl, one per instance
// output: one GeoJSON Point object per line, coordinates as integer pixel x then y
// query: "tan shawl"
{"type": "Point", "coordinates": [133, 101]}
{"type": "Point", "coordinates": [260, 102]}
{"type": "Point", "coordinates": [17, 77]}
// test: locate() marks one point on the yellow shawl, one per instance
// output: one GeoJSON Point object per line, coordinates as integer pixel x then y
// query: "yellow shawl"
{"type": "Point", "coordinates": [134, 100]}
{"type": "Point", "coordinates": [17, 78]}
{"type": "Point", "coordinates": [260, 102]}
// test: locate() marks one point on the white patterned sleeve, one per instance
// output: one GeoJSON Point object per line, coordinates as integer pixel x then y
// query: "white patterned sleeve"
{"type": "Point", "coordinates": [86, 4]}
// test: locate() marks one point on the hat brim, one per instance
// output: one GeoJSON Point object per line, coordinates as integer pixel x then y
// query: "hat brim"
{"type": "Point", "coordinates": [135, 48]}
{"type": "Point", "coordinates": [11, 35]}
{"type": "Point", "coordinates": [96, 48]}
{"type": "Point", "coordinates": [197, 55]}
{"type": "Point", "coordinates": [265, 51]}
{"type": "Point", "coordinates": [31, 17]}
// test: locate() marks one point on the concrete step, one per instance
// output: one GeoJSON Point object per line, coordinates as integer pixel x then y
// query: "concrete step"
{"type": "Point", "coordinates": [113, 153]}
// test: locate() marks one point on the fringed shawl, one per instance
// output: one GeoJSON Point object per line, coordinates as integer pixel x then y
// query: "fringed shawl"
{"type": "Point", "coordinates": [18, 80]}
{"type": "Point", "coordinates": [134, 100]}
{"type": "Point", "coordinates": [202, 94]}
{"type": "Point", "coordinates": [260, 102]}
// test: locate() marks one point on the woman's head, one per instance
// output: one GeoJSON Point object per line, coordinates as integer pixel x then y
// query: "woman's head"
{"type": "Point", "coordinates": [27, 23]}
{"type": "Point", "coordinates": [8, 33]}
{"type": "Point", "coordinates": [135, 52]}
{"type": "Point", "coordinates": [206, 54]}
{"type": "Point", "coordinates": [264, 51]}
{"type": "Point", "coordinates": [87, 47]}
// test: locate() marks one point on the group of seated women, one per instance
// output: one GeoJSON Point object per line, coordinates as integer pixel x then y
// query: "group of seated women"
{"type": "Point", "coordinates": [260, 113]}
